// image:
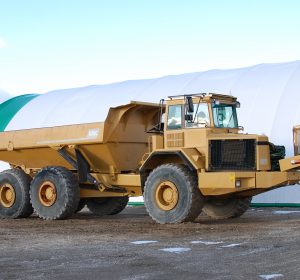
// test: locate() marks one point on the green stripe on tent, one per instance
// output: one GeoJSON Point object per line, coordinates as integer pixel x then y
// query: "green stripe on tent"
{"type": "Point", "coordinates": [275, 204]}
{"type": "Point", "coordinates": [10, 107]}
{"type": "Point", "coordinates": [136, 203]}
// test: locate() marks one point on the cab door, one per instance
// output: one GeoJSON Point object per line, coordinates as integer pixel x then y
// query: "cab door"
{"type": "Point", "coordinates": [174, 135]}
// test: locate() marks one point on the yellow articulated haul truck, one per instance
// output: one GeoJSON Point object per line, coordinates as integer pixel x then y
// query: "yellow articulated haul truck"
{"type": "Point", "coordinates": [184, 155]}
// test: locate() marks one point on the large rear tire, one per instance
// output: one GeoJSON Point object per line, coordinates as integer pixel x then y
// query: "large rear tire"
{"type": "Point", "coordinates": [102, 206]}
{"type": "Point", "coordinates": [14, 194]}
{"type": "Point", "coordinates": [54, 193]}
{"type": "Point", "coordinates": [171, 194]}
{"type": "Point", "coordinates": [232, 207]}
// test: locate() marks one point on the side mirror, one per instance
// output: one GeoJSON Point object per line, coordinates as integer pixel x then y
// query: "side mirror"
{"type": "Point", "coordinates": [190, 104]}
{"type": "Point", "coordinates": [188, 117]}
{"type": "Point", "coordinates": [238, 104]}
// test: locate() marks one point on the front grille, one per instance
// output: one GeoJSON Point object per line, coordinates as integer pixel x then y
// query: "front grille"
{"type": "Point", "coordinates": [232, 154]}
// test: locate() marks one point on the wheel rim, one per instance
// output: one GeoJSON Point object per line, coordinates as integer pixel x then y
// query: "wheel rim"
{"type": "Point", "coordinates": [47, 194]}
{"type": "Point", "coordinates": [166, 196]}
{"type": "Point", "coordinates": [7, 195]}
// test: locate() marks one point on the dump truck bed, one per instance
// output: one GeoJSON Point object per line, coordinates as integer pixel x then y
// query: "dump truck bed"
{"type": "Point", "coordinates": [120, 141]}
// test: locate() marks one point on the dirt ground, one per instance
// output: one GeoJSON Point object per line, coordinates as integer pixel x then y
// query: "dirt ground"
{"type": "Point", "coordinates": [262, 244]}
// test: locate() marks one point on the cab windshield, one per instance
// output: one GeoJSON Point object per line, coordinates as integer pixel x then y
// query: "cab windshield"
{"type": "Point", "coordinates": [225, 115]}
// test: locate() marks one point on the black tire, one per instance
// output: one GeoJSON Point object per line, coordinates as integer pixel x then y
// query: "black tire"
{"type": "Point", "coordinates": [232, 207]}
{"type": "Point", "coordinates": [20, 182]}
{"type": "Point", "coordinates": [102, 206]}
{"type": "Point", "coordinates": [81, 204]}
{"type": "Point", "coordinates": [66, 192]}
{"type": "Point", "coordinates": [189, 200]}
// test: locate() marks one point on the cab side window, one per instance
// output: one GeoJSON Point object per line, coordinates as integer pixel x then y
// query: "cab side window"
{"type": "Point", "coordinates": [200, 116]}
{"type": "Point", "coordinates": [175, 117]}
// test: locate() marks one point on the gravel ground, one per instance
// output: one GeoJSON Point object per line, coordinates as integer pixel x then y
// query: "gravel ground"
{"type": "Point", "coordinates": [262, 244]}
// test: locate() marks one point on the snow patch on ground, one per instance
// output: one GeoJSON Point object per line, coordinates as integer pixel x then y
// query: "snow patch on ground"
{"type": "Point", "coordinates": [231, 245]}
{"type": "Point", "coordinates": [139, 242]}
{"type": "Point", "coordinates": [176, 250]}
{"type": "Point", "coordinates": [254, 251]}
{"type": "Point", "coordinates": [206, 242]}
{"type": "Point", "coordinates": [282, 212]}
{"type": "Point", "coordinates": [270, 276]}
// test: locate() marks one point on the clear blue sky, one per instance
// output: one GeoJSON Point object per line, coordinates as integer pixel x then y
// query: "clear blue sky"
{"type": "Point", "coordinates": [51, 44]}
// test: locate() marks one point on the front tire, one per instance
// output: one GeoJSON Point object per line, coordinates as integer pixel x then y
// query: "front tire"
{"type": "Point", "coordinates": [172, 195]}
{"type": "Point", "coordinates": [232, 207]}
{"type": "Point", "coordinates": [14, 194]}
{"type": "Point", "coordinates": [54, 193]}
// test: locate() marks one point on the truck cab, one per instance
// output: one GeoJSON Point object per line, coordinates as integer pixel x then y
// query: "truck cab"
{"type": "Point", "coordinates": [189, 117]}
{"type": "Point", "coordinates": [201, 146]}
{"type": "Point", "coordinates": [206, 126]}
